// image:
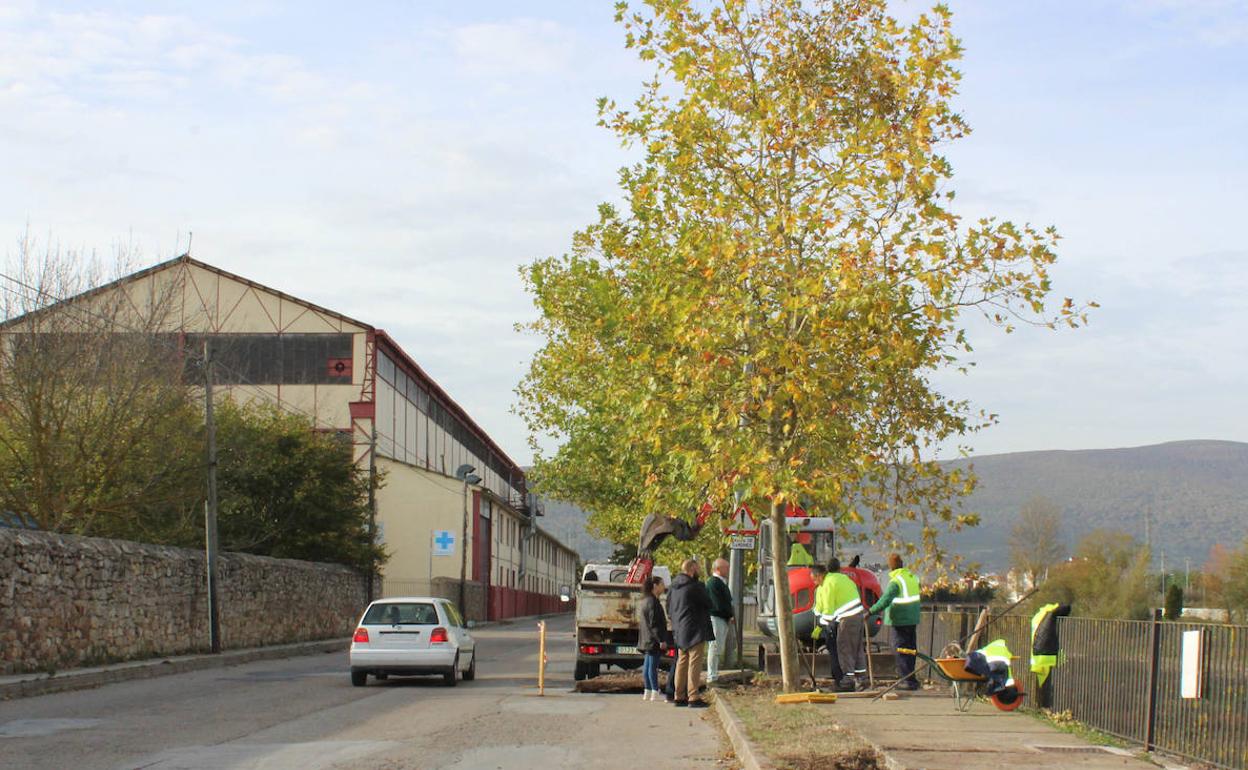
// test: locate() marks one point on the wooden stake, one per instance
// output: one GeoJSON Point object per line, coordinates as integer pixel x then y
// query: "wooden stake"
{"type": "Point", "coordinates": [866, 632]}
{"type": "Point", "coordinates": [541, 657]}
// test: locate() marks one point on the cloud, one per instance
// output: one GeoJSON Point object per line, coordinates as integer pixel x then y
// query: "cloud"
{"type": "Point", "coordinates": [1214, 23]}
{"type": "Point", "coordinates": [519, 46]}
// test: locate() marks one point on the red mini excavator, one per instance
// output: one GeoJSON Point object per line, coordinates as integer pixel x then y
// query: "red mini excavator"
{"type": "Point", "coordinates": [654, 530]}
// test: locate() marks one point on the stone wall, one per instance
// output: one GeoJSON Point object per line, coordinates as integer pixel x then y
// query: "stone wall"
{"type": "Point", "coordinates": [68, 601]}
{"type": "Point", "coordinates": [474, 607]}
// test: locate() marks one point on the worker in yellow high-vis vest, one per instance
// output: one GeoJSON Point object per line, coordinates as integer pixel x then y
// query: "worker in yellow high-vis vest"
{"type": "Point", "coordinates": [838, 606]}
{"type": "Point", "coordinates": [900, 604]}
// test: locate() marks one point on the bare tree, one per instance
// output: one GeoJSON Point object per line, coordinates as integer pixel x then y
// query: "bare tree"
{"type": "Point", "coordinates": [98, 431]}
{"type": "Point", "coordinates": [1036, 541]}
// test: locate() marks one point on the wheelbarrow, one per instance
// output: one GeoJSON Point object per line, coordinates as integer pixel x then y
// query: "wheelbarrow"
{"type": "Point", "coordinates": [966, 685]}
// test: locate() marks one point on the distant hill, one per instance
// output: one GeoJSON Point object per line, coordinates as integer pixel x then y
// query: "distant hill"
{"type": "Point", "coordinates": [567, 522]}
{"type": "Point", "coordinates": [1193, 493]}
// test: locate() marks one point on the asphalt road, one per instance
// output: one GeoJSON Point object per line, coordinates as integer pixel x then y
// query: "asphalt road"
{"type": "Point", "coordinates": [302, 713]}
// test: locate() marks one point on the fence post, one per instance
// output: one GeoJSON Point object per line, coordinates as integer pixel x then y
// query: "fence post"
{"type": "Point", "coordinates": [1154, 665]}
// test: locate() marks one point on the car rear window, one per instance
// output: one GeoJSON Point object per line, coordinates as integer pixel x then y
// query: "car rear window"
{"type": "Point", "coordinates": [401, 613]}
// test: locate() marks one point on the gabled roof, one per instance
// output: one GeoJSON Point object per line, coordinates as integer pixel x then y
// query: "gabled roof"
{"type": "Point", "coordinates": [186, 260]}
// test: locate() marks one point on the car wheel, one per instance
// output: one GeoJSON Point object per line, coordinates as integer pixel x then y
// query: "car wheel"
{"type": "Point", "coordinates": [595, 670]}
{"type": "Point", "coordinates": [581, 672]}
{"type": "Point", "coordinates": [359, 678]}
{"type": "Point", "coordinates": [471, 673]}
{"type": "Point", "coordinates": [451, 677]}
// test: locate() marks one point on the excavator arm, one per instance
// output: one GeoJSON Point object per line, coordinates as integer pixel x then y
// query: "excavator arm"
{"type": "Point", "coordinates": [654, 530]}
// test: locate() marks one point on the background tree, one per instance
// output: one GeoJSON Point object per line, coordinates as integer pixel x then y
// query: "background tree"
{"type": "Point", "coordinates": [1174, 601]}
{"type": "Point", "coordinates": [1108, 577]}
{"type": "Point", "coordinates": [1035, 540]}
{"type": "Point", "coordinates": [1213, 576]}
{"type": "Point", "coordinates": [288, 490]}
{"type": "Point", "coordinates": [766, 310]}
{"type": "Point", "coordinates": [98, 433]}
{"type": "Point", "coordinates": [1235, 585]}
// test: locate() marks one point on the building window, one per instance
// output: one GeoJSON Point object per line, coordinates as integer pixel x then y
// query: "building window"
{"type": "Point", "coordinates": [276, 359]}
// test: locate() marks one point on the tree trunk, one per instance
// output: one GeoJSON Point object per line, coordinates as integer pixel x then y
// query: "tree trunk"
{"type": "Point", "coordinates": [784, 604]}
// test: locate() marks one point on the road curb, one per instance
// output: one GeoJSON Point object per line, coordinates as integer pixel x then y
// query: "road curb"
{"type": "Point", "coordinates": [741, 745]}
{"type": "Point", "coordinates": [41, 684]}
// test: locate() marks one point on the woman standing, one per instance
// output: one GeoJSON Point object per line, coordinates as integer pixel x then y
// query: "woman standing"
{"type": "Point", "coordinates": [653, 636]}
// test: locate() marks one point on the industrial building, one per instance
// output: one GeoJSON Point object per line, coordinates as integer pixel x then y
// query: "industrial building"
{"type": "Point", "coordinates": [451, 502]}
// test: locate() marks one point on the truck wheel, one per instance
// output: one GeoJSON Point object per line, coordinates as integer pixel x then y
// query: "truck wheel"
{"type": "Point", "coordinates": [595, 670]}
{"type": "Point", "coordinates": [580, 673]}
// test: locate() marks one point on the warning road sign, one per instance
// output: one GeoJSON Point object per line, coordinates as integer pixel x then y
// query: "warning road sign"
{"type": "Point", "coordinates": [742, 522]}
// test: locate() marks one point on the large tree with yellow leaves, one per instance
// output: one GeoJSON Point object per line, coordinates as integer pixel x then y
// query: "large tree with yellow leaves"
{"type": "Point", "coordinates": [765, 312]}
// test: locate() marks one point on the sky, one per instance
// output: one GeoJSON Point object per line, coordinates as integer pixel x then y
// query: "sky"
{"type": "Point", "coordinates": [399, 161]}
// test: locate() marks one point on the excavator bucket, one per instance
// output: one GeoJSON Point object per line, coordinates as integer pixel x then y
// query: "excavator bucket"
{"type": "Point", "coordinates": [657, 528]}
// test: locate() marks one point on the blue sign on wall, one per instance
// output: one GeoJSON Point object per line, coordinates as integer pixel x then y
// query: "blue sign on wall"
{"type": "Point", "coordinates": [443, 542]}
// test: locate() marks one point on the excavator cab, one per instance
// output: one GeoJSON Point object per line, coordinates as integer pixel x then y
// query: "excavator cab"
{"type": "Point", "coordinates": [811, 540]}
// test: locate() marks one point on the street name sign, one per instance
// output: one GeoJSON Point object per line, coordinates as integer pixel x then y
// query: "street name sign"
{"type": "Point", "coordinates": [742, 543]}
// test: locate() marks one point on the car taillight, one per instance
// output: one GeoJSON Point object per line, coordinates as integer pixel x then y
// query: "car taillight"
{"type": "Point", "coordinates": [590, 649]}
{"type": "Point", "coordinates": [361, 636]}
{"type": "Point", "coordinates": [439, 636]}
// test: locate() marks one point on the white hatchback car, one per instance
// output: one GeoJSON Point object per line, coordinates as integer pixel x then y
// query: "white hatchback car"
{"type": "Point", "coordinates": [411, 636]}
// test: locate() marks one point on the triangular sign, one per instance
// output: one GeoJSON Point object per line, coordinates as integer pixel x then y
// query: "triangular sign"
{"type": "Point", "coordinates": [742, 522]}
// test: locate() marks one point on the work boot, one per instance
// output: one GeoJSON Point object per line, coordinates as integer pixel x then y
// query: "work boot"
{"type": "Point", "coordinates": [860, 684]}
{"type": "Point", "coordinates": [845, 685]}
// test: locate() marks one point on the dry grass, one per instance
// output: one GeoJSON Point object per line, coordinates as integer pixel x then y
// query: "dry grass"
{"type": "Point", "coordinates": [800, 736]}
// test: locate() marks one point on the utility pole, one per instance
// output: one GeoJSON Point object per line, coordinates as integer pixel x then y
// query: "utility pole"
{"type": "Point", "coordinates": [463, 555]}
{"type": "Point", "coordinates": [210, 506]}
{"type": "Point", "coordinates": [372, 518]}
{"type": "Point", "coordinates": [736, 585]}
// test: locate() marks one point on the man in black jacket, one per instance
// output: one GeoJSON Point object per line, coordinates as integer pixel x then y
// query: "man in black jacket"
{"type": "Point", "coordinates": [689, 608]}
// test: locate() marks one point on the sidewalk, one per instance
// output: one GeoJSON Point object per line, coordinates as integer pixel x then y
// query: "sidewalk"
{"type": "Point", "coordinates": [923, 730]}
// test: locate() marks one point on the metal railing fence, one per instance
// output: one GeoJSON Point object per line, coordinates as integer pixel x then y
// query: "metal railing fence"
{"type": "Point", "coordinates": [1123, 677]}
{"type": "Point", "coordinates": [1214, 727]}
{"type": "Point", "coordinates": [1102, 679]}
